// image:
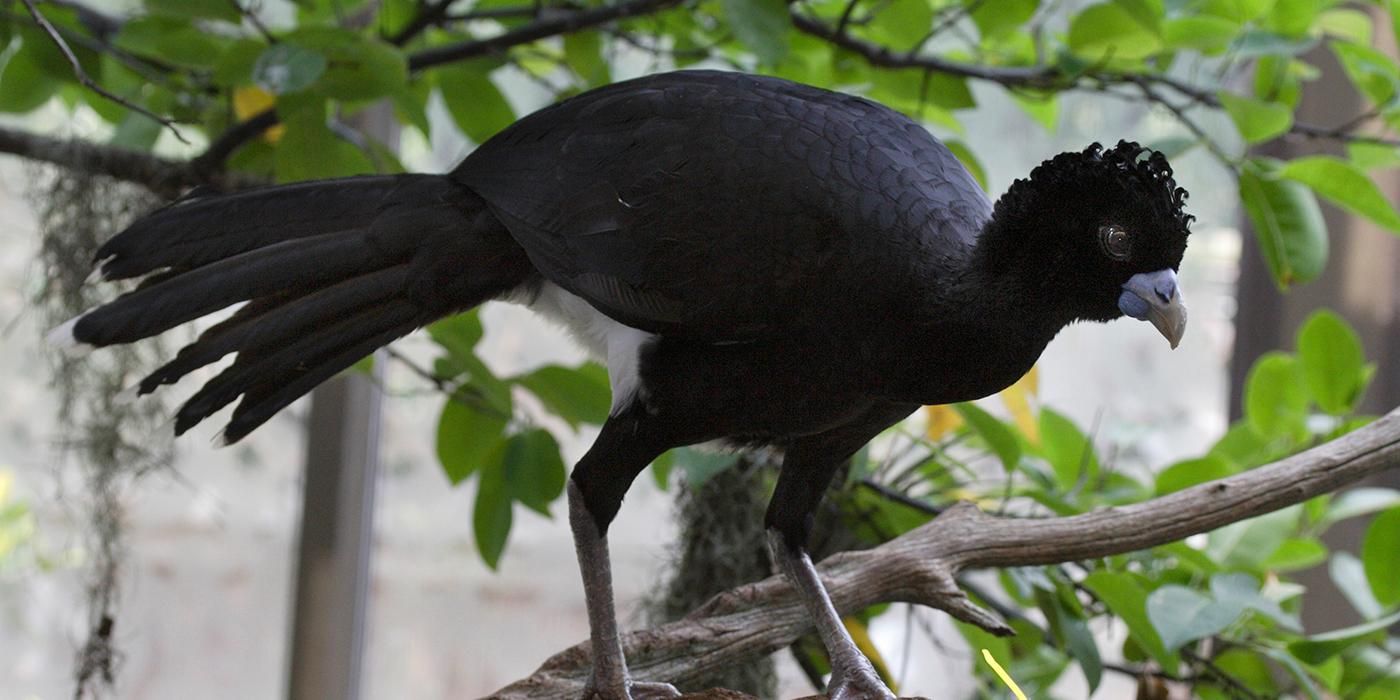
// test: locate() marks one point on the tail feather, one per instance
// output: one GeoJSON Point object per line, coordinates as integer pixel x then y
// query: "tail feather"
{"type": "Point", "coordinates": [264, 400]}
{"type": "Point", "coordinates": [199, 230]}
{"type": "Point", "coordinates": [275, 319]}
{"type": "Point", "coordinates": [293, 359]}
{"type": "Point", "coordinates": [330, 270]}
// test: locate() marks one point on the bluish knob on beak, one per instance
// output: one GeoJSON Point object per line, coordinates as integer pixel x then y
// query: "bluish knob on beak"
{"type": "Point", "coordinates": [1155, 297]}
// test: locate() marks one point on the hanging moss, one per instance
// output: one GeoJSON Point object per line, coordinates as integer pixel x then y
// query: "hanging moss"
{"type": "Point", "coordinates": [721, 545]}
{"type": "Point", "coordinates": [112, 442]}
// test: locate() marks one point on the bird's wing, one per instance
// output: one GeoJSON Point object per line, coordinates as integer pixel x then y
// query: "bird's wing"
{"type": "Point", "coordinates": [727, 206]}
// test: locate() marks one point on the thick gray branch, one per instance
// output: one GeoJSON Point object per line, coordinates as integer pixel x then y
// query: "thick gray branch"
{"type": "Point", "coordinates": [919, 566]}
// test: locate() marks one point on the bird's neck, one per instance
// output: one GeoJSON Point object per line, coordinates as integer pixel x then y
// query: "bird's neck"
{"type": "Point", "coordinates": [991, 317]}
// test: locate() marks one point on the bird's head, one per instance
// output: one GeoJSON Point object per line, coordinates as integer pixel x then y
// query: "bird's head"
{"type": "Point", "coordinates": [1096, 234]}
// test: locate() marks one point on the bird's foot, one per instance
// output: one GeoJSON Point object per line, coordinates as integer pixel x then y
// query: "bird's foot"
{"type": "Point", "coordinates": [861, 683]}
{"type": "Point", "coordinates": [632, 690]}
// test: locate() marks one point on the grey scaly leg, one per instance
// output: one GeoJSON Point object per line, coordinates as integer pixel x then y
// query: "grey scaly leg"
{"type": "Point", "coordinates": [852, 676]}
{"type": "Point", "coordinates": [609, 680]}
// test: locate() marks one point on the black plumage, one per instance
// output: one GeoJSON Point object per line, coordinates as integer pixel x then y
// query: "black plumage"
{"type": "Point", "coordinates": [761, 262]}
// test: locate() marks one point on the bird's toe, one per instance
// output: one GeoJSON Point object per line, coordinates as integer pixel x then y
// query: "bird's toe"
{"type": "Point", "coordinates": [653, 691]}
{"type": "Point", "coordinates": [858, 686]}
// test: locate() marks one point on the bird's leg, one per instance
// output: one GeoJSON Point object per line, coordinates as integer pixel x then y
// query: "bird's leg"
{"type": "Point", "coordinates": [852, 675]}
{"type": "Point", "coordinates": [595, 493]}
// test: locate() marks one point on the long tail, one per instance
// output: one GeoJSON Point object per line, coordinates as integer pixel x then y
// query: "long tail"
{"type": "Point", "coordinates": [331, 270]}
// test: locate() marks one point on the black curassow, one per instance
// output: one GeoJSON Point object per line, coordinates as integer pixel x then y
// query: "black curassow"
{"type": "Point", "coordinates": [758, 261]}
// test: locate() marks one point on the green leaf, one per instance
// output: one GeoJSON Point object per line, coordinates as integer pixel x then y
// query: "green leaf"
{"type": "Point", "coordinates": [309, 150]}
{"type": "Point", "coordinates": [26, 86]}
{"type": "Point", "coordinates": [1375, 74]}
{"type": "Point", "coordinates": [1296, 553]}
{"type": "Point", "coordinates": [1068, 450]}
{"type": "Point", "coordinates": [968, 160]}
{"type": "Point", "coordinates": [491, 516]}
{"type": "Point", "coordinates": [465, 436]}
{"type": "Point", "coordinates": [356, 68]}
{"type": "Point", "coordinates": [1275, 402]}
{"type": "Point", "coordinates": [578, 395]}
{"type": "Point", "coordinates": [1320, 647]}
{"type": "Point", "coordinates": [195, 9]}
{"type": "Point", "coordinates": [1181, 615]}
{"type": "Point", "coordinates": [1372, 156]}
{"type": "Point", "coordinates": [1345, 185]}
{"type": "Point", "coordinates": [1238, 10]}
{"type": "Point", "coordinates": [1203, 33]}
{"type": "Point", "coordinates": [1292, 17]}
{"type": "Point", "coordinates": [1256, 120]}
{"type": "Point", "coordinates": [1346, 23]}
{"type": "Point", "coordinates": [584, 52]}
{"type": "Point", "coordinates": [661, 469]}
{"type": "Point", "coordinates": [1361, 501]}
{"type": "Point", "coordinates": [997, 436]}
{"type": "Point", "coordinates": [136, 132]}
{"type": "Point", "coordinates": [1247, 667]}
{"type": "Point", "coordinates": [1111, 31]}
{"type": "Point", "coordinates": [1242, 590]}
{"type": "Point", "coordinates": [287, 67]}
{"type": "Point", "coordinates": [699, 466]}
{"type": "Point", "coordinates": [901, 23]}
{"type": "Point", "coordinates": [1190, 472]}
{"type": "Point", "coordinates": [1071, 631]}
{"type": "Point", "coordinates": [171, 41]}
{"type": "Point", "coordinates": [235, 64]}
{"type": "Point", "coordinates": [476, 105]}
{"type": "Point", "coordinates": [1348, 574]}
{"type": "Point", "coordinates": [1044, 109]}
{"type": "Point", "coordinates": [1332, 362]}
{"type": "Point", "coordinates": [1380, 553]}
{"type": "Point", "coordinates": [762, 26]}
{"type": "Point", "coordinates": [1287, 223]}
{"type": "Point", "coordinates": [1295, 669]}
{"type": "Point", "coordinates": [1258, 43]}
{"type": "Point", "coordinates": [458, 334]}
{"type": "Point", "coordinates": [534, 470]}
{"type": "Point", "coordinates": [996, 18]}
{"type": "Point", "coordinates": [1127, 599]}
{"type": "Point", "coordinates": [1246, 544]}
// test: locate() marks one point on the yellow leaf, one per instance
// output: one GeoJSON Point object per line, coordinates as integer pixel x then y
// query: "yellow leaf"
{"type": "Point", "coordinates": [250, 100]}
{"type": "Point", "coordinates": [1017, 400]}
{"type": "Point", "coordinates": [941, 421]}
{"type": "Point", "coordinates": [6, 481]}
{"type": "Point", "coordinates": [861, 636]}
{"type": "Point", "coordinates": [1003, 675]}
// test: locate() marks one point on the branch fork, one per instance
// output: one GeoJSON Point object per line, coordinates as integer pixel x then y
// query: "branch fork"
{"type": "Point", "coordinates": [921, 566]}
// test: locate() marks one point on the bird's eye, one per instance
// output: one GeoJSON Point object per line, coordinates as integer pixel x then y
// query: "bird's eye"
{"type": "Point", "coordinates": [1115, 241]}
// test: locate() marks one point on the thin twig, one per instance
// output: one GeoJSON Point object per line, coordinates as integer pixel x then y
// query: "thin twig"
{"type": "Point", "coordinates": [88, 82]}
{"type": "Point", "coordinates": [467, 396]}
{"type": "Point", "coordinates": [253, 19]}
{"type": "Point", "coordinates": [900, 498]}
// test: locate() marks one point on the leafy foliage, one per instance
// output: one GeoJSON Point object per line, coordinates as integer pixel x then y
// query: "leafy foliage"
{"type": "Point", "coordinates": [1218, 614]}
{"type": "Point", "coordinates": [220, 69]}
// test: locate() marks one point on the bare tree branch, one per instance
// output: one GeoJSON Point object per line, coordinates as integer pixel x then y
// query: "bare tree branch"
{"type": "Point", "coordinates": [550, 24]}
{"type": "Point", "coordinates": [162, 175]}
{"type": "Point", "coordinates": [1050, 77]}
{"type": "Point", "coordinates": [920, 566]}
{"type": "Point", "coordinates": [87, 81]}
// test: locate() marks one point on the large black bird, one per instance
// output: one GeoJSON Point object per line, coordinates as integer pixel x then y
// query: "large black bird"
{"type": "Point", "coordinates": [758, 261]}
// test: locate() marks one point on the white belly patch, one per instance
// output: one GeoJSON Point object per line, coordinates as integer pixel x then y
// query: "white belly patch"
{"type": "Point", "coordinates": [615, 344]}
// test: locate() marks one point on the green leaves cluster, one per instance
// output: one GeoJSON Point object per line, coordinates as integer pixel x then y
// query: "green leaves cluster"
{"type": "Point", "coordinates": [480, 434]}
{"type": "Point", "coordinates": [1222, 610]}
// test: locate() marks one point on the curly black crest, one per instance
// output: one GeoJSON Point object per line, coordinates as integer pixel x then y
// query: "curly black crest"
{"type": "Point", "coordinates": [1143, 171]}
